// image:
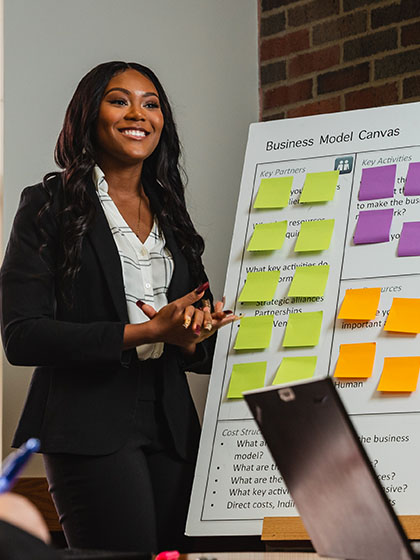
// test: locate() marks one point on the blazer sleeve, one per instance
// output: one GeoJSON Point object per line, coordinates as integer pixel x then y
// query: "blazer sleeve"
{"type": "Point", "coordinates": [31, 333]}
{"type": "Point", "coordinates": [202, 359]}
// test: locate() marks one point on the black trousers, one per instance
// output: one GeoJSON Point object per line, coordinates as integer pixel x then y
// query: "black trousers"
{"type": "Point", "coordinates": [133, 500]}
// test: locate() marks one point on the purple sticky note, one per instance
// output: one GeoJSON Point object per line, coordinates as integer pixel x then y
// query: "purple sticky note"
{"type": "Point", "coordinates": [377, 182]}
{"type": "Point", "coordinates": [409, 245]}
{"type": "Point", "coordinates": [373, 226]}
{"type": "Point", "coordinates": [412, 182]}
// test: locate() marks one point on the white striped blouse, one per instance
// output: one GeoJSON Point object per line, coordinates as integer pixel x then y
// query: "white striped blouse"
{"type": "Point", "coordinates": [147, 267]}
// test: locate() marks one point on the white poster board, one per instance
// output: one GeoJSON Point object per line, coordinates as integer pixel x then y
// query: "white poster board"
{"type": "Point", "coordinates": [236, 483]}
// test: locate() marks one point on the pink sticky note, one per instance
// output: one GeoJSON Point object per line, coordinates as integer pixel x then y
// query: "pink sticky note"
{"type": "Point", "coordinates": [377, 182]}
{"type": "Point", "coordinates": [373, 226]}
{"type": "Point", "coordinates": [412, 182]}
{"type": "Point", "coordinates": [409, 244]}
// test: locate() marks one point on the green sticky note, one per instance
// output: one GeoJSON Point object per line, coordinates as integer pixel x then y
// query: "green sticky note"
{"type": "Point", "coordinates": [293, 369]}
{"type": "Point", "coordinates": [319, 187]}
{"type": "Point", "coordinates": [303, 329]}
{"type": "Point", "coordinates": [268, 237]}
{"type": "Point", "coordinates": [260, 286]}
{"type": "Point", "coordinates": [254, 332]}
{"type": "Point", "coordinates": [274, 193]}
{"type": "Point", "coordinates": [246, 377]}
{"type": "Point", "coordinates": [309, 281]}
{"type": "Point", "coordinates": [314, 236]}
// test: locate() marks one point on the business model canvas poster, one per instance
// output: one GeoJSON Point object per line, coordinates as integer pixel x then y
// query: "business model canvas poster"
{"type": "Point", "coordinates": [325, 270]}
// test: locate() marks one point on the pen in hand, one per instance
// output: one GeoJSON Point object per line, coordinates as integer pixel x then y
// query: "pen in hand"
{"type": "Point", "coordinates": [15, 462]}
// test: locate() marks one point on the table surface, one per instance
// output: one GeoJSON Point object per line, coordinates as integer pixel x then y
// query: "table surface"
{"type": "Point", "coordinates": [252, 556]}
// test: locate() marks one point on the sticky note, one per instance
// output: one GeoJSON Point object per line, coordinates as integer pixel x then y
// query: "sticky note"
{"type": "Point", "coordinates": [246, 377]}
{"type": "Point", "coordinates": [268, 237]}
{"type": "Point", "coordinates": [412, 182]}
{"type": "Point", "coordinates": [260, 286]}
{"type": "Point", "coordinates": [295, 368]}
{"type": "Point", "coordinates": [319, 187]}
{"type": "Point", "coordinates": [373, 226]}
{"type": "Point", "coordinates": [356, 360]}
{"type": "Point", "coordinates": [409, 244]}
{"type": "Point", "coordinates": [360, 304]}
{"type": "Point", "coordinates": [303, 329]}
{"type": "Point", "coordinates": [309, 281]}
{"type": "Point", "coordinates": [400, 374]}
{"type": "Point", "coordinates": [254, 332]}
{"type": "Point", "coordinates": [274, 192]}
{"type": "Point", "coordinates": [404, 316]}
{"type": "Point", "coordinates": [377, 182]}
{"type": "Point", "coordinates": [314, 236]}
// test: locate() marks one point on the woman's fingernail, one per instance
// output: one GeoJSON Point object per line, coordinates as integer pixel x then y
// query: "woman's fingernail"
{"type": "Point", "coordinates": [187, 322]}
{"type": "Point", "coordinates": [197, 329]}
{"type": "Point", "coordinates": [202, 288]}
{"type": "Point", "coordinates": [140, 303]}
{"type": "Point", "coordinates": [227, 311]}
{"type": "Point", "coordinates": [208, 326]}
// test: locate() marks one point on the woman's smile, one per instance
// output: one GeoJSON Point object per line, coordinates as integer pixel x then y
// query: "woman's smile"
{"type": "Point", "coordinates": [135, 133]}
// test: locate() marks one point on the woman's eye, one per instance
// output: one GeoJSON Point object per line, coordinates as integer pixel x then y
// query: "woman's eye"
{"type": "Point", "coordinates": [118, 102]}
{"type": "Point", "coordinates": [152, 105]}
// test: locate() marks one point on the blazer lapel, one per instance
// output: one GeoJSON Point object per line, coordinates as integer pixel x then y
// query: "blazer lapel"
{"type": "Point", "coordinates": [181, 278]}
{"type": "Point", "coordinates": [103, 242]}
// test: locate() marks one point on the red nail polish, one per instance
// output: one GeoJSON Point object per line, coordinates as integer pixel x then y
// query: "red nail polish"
{"type": "Point", "coordinates": [202, 288]}
{"type": "Point", "coordinates": [227, 312]}
{"type": "Point", "coordinates": [140, 303]}
{"type": "Point", "coordinates": [197, 329]}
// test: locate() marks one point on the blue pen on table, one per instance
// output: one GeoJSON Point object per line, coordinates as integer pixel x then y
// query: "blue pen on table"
{"type": "Point", "coordinates": [15, 462]}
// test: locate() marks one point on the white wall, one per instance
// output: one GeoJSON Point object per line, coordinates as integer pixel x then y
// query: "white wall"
{"type": "Point", "coordinates": [204, 52]}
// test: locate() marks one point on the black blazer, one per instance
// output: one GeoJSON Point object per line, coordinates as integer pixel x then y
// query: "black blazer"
{"type": "Point", "coordinates": [83, 390]}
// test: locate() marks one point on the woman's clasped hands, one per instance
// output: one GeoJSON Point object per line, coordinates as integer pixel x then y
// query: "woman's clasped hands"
{"type": "Point", "coordinates": [182, 324]}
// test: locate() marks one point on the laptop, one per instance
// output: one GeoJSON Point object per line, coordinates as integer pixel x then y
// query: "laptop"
{"type": "Point", "coordinates": [330, 478]}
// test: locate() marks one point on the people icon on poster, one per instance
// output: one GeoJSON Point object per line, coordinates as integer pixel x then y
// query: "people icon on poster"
{"type": "Point", "coordinates": [344, 164]}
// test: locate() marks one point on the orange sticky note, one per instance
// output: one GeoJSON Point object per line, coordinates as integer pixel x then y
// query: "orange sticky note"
{"type": "Point", "coordinates": [400, 374]}
{"type": "Point", "coordinates": [404, 316]}
{"type": "Point", "coordinates": [360, 304]}
{"type": "Point", "coordinates": [356, 360]}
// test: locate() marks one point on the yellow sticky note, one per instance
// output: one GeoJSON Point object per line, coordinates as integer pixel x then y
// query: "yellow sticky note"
{"type": "Point", "coordinates": [404, 316]}
{"type": "Point", "coordinates": [246, 377]}
{"type": "Point", "coordinates": [260, 286]}
{"type": "Point", "coordinates": [274, 192]}
{"type": "Point", "coordinates": [295, 368]}
{"type": "Point", "coordinates": [254, 332]}
{"type": "Point", "coordinates": [400, 374]}
{"type": "Point", "coordinates": [268, 237]}
{"type": "Point", "coordinates": [319, 187]}
{"type": "Point", "coordinates": [303, 329]}
{"type": "Point", "coordinates": [356, 360]}
{"type": "Point", "coordinates": [314, 236]}
{"type": "Point", "coordinates": [309, 281]}
{"type": "Point", "coordinates": [360, 304]}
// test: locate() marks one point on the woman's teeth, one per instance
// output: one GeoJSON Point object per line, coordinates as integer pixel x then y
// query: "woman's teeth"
{"type": "Point", "coordinates": [135, 133]}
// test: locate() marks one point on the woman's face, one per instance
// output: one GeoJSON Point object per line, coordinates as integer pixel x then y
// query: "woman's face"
{"type": "Point", "coordinates": [130, 119]}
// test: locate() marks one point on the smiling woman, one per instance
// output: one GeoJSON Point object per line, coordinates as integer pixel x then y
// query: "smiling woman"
{"type": "Point", "coordinates": [101, 287]}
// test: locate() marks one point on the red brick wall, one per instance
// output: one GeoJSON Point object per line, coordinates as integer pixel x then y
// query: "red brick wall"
{"type": "Point", "coordinates": [320, 56]}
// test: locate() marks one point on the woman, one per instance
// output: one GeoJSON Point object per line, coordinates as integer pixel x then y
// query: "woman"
{"type": "Point", "coordinates": [101, 288]}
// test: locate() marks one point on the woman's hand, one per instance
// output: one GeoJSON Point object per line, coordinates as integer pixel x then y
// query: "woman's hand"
{"type": "Point", "coordinates": [178, 323]}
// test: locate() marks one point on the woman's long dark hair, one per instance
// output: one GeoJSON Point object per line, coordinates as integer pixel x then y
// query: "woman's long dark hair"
{"type": "Point", "coordinates": [74, 153]}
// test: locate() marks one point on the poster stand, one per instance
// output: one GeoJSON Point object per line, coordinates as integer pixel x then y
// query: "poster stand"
{"type": "Point", "coordinates": [327, 216]}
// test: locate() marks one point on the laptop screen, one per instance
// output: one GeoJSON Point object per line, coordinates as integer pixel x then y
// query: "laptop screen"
{"type": "Point", "coordinates": [317, 451]}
